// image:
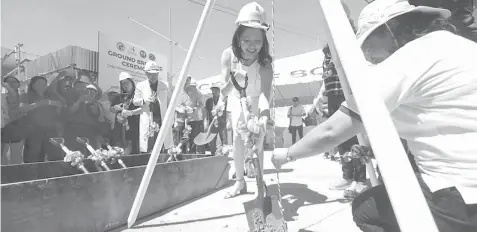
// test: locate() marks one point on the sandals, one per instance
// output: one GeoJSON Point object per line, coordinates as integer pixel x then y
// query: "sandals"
{"type": "Point", "coordinates": [349, 193]}
{"type": "Point", "coordinates": [240, 191]}
{"type": "Point", "coordinates": [355, 190]}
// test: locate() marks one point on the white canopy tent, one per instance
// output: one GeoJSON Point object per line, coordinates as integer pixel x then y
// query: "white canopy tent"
{"type": "Point", "coordinates": [295, 76]}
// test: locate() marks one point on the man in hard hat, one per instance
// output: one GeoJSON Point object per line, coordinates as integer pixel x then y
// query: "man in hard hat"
{"type": "Point", "coordinates": [152, 96]}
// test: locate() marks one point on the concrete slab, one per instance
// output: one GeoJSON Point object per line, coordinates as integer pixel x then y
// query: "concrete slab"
{"type": "Point", "coordinates": [309, 204]}
{"type": "Point", "coordinates": [100, 201]}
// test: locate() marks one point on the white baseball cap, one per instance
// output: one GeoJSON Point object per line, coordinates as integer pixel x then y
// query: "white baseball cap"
{"type": "Point", "coordinates": [151, 67]}
{"type": "Point", "coordinates": [216, 85]}
{"type": "Point", "coordinates": [124, 76]}
{"type": "Point", "coordinates": [252, 15]}
{"type": "Point", "coordinates": [91, 87]}
{"type": "Point", "coordinates": [379, 12]}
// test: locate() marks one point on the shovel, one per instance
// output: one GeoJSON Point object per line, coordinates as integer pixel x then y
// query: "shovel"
{"type": "Point", "coordinates": [205, 137]}
{"type": "Point", "coordinates": [95, 156]}
{"type": "Point", "coordinates": [74, 158]}
{"type": "Point", "coordinates": [263, 213]}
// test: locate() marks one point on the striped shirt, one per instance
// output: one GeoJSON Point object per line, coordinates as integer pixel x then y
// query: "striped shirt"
{"type": "Point", "coordinates": [330, 77]}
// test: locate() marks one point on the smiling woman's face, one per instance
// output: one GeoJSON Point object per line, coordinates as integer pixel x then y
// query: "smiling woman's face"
{"type": "Point", "coordinates": [251, 42]}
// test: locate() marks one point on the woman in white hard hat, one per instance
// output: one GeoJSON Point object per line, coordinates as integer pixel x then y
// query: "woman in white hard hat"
{"type": "Point", "coordinates": [127, 114]}
{"type": "Point", "coordinates": [248, 56]}
{"type": "Point", "coordinates": [427, 76]}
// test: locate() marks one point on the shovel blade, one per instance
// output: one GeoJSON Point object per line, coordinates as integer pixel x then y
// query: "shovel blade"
{"type": "Point", "coordinates": [204, 138]}
{"type": "Point", "coordinates": [264, 215]}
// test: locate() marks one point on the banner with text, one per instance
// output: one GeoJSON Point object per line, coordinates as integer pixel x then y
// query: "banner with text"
{"type": "Point", "coordinates": [116, 56]}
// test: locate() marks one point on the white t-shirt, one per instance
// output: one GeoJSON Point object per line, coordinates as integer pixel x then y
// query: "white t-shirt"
{"type": "Point", "coordinates": [430, 88]}
{"type": "Point", "coordinates": [296, 120]}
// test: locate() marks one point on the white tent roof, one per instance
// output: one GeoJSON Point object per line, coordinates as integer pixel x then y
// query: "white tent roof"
{"type": "Point", "coordinates": [295, 76]}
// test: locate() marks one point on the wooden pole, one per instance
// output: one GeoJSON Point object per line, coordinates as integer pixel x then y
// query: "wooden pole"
{"type": "Point", "coordinates": [168, 116]}
{"type": "Point", "coordinates": [410, 207]}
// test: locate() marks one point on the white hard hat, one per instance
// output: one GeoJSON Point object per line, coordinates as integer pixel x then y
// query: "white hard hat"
{"type": "Point", "coordinates": [252, 15]}
{"type": "Point", "coordinates": [124, 76]}
{"type": "Point", "coordinates": [151, 67]}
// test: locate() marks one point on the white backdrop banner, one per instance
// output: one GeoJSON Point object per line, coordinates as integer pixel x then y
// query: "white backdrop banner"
{"type": "Point", "coordinates": [116, 56]}
{"type": "Point", "coordinates": [295, 76]}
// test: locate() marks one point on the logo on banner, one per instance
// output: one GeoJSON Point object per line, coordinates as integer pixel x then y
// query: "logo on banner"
{"type": "Point", "coordinates": [132, 51]}
{"type": "Point", "coordinates": [120, 46]}
{"type": "Point", "coordinates": [143, 54]}
{"type": "Point", "coordinates": [116, 56]}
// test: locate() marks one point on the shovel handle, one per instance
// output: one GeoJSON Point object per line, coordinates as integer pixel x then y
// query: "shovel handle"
{"type": "Point", "coordinates": [82, 140]}
{"type": "Point", "coordinates": [211, 124]}
{"type": "Point", "coordinates": [121, 162]}
{"type": "Point", "coordinates": [59, 143]}
{"type": "Point", "coordinates": [83, 168]}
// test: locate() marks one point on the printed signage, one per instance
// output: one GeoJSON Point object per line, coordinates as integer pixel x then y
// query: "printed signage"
{"type": "Point", "coordinates": [301, 73]}
{"type": "Point", "coordinates": [116, 56]}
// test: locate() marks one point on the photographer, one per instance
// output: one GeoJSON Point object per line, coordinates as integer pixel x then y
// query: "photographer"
{"type": "Point", "coordinates": [83, 117]}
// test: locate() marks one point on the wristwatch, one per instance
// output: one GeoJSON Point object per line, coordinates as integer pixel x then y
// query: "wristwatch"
{"type": "Point", "coordinates": [290, 158]}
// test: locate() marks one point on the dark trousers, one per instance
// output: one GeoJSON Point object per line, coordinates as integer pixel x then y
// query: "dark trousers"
{"type": "Point", "coordinates": [38, 147]}
{"type": "Point", "coordinates": [294, 130]}
{"type": "Point", "coordinates": [462, 17]}
{"type": "Point", "coordinates": [222, 133]}
{"type": "Point", "coordinates": [372, 210]}
{"type": "Point", "coordinates": [197, 128]}
{"type": "Point", "coordinates": [353, 170]}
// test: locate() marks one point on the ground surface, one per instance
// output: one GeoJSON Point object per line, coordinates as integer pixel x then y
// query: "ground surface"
{"type": "Point", "coordinates": [309, 204]}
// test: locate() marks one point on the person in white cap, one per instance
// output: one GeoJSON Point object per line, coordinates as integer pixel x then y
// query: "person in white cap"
{"type": "Point", "coordinates": [427, 76]}
{"type": "Point", "coordinates": [220, 126]}
{"type": "Point", "coordinates": [124, 109]}
{"type": "Point", "coordinates": [152, 96]}
{"type": "Point", "coordinates": [248, 56]}
{"type": "Point", "coordinates": [191, 97]}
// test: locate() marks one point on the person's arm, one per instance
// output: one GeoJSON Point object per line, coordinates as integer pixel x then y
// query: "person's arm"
{"type": "Point", "coordinates": [397, 88]}
{"type": "Point", "coordinates": [224, 75]}
{"type": "Point", "coordinates": [303, 111]}
{"type": "Point", "coordinates": [289, 112]}
{"type": "Point", "coordinates": [26, 107]}
{"type": "Point", "coordinates": [52, 89]}
{"type": "Point", "coordinates": [332, 132]}
{"type": "Point", "coordinates": [137, 111]}
{"type": "Point", "coordinates": [75, 106]}
{"type": "Point", "coordinates": [208, 108]}
{"type": "Point", "coordinates": [138, 99]}
{"type": "Point", "coordinates": [266, 75]}
{"type": "Point", "coordinates": [115, 105]}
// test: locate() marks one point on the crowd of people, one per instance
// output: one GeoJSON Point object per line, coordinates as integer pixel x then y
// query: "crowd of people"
{"type": "Point", "coordinates": [129, 118]}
